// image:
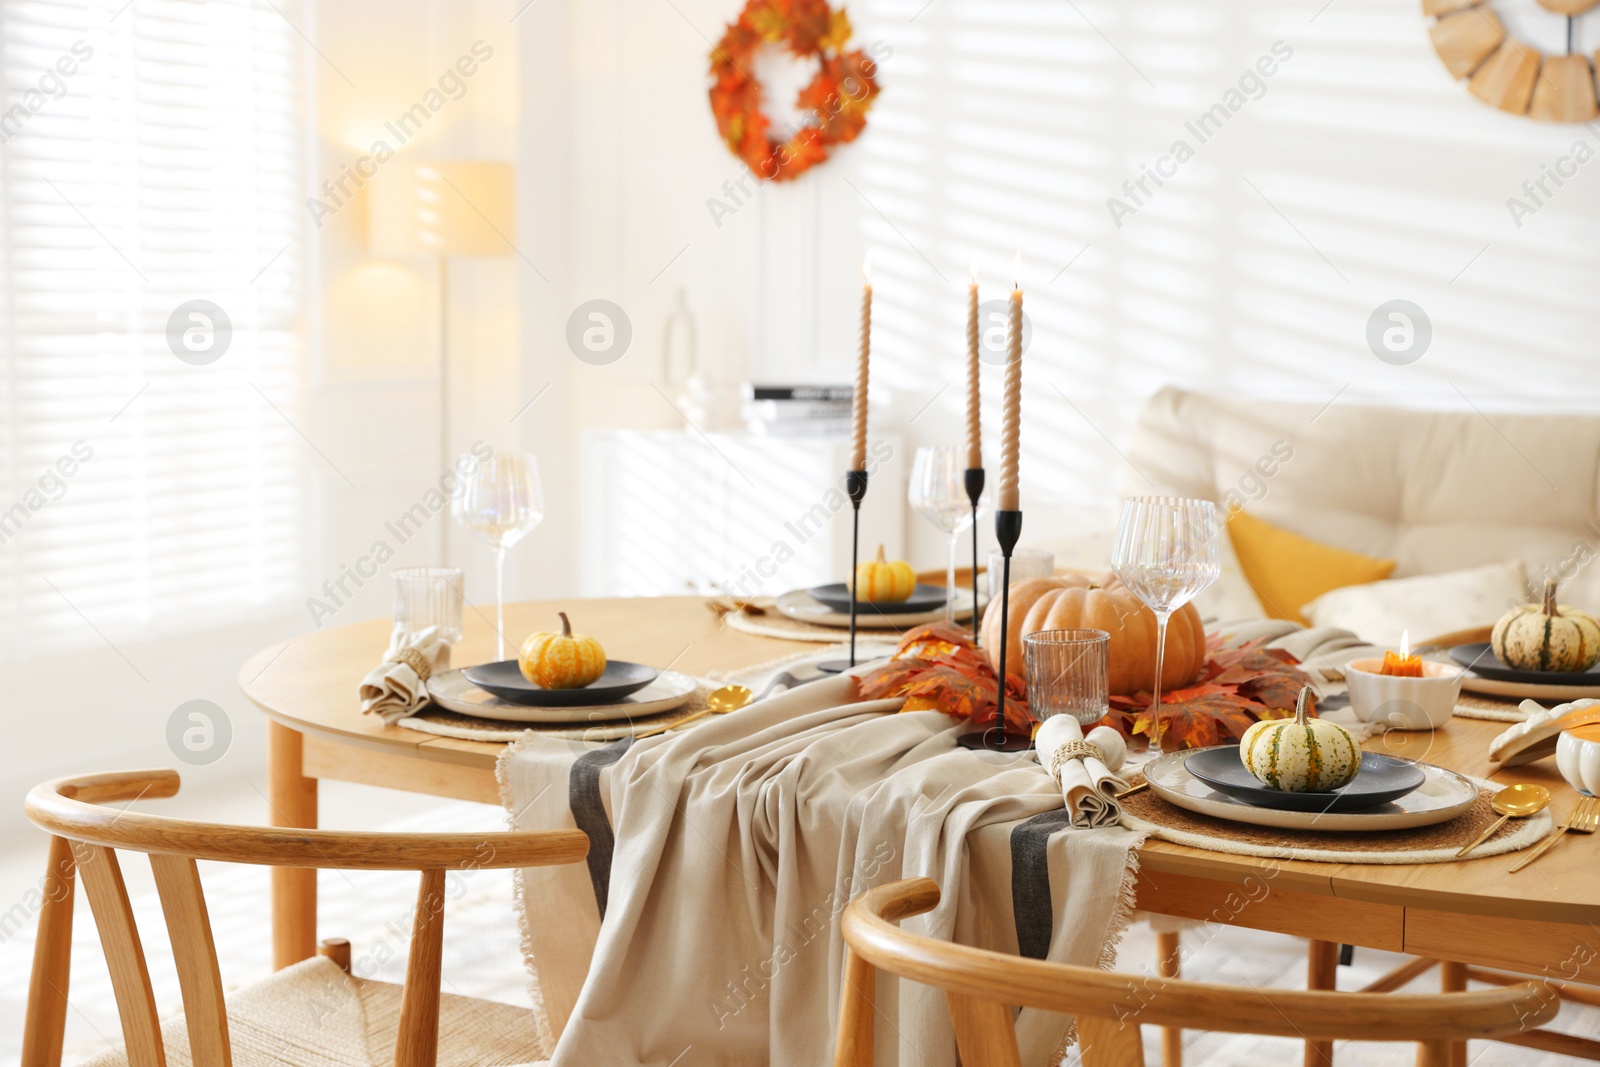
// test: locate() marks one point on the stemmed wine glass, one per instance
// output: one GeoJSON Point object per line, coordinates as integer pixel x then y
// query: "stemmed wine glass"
{"type": "Point", "coordinates": [938, 493]}
{"type": "Point", "coordinates": [500, 502]}
{"type": "Point", "coordinates": [1166, 553]}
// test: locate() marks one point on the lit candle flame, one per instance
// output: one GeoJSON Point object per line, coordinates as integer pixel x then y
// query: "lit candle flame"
{"type": "Point", "coordinates": [1405, 643]}
{"type": "Point", "coordinates": [1016, 271]}
{"type": "Point", "coordinates": [866, 268]}
{"type": "Point", "coordinates": [973, 273]}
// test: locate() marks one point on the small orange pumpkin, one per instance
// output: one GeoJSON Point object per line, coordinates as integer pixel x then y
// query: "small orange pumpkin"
{"type": "Point", "coordinates": [561, 661]}
{"type": "Point", "coordinates": [1070, 601]}
{"type": "Point", "coordinates": [879, 581]}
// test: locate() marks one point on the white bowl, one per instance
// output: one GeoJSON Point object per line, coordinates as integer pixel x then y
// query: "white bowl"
{"type": "Point", "coordinates": [1424, 703]}
{"type": "Point", "coordinates": [1578, 756]}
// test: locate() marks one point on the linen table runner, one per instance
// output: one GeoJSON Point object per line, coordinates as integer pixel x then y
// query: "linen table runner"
{"type": "Point", "coordinates": [722, 856]}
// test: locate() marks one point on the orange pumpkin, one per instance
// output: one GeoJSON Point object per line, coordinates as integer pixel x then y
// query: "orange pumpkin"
{"type": "Point", "coordinates": [561, 661]}
{"type": "Point", "coordinates": [882, 581]}
{"type": "Point", "coordinates": [1071, 601]}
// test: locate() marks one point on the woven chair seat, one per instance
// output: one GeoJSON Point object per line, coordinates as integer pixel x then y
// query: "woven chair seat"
{"type": "Point", "coordinates": [315, 1015]}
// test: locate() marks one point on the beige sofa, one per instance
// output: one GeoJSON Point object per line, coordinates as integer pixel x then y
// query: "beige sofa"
{"type": "Point", "coordinates": [1436, 491]}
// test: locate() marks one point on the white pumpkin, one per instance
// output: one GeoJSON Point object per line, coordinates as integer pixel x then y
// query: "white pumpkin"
{"type": "Point", "coordinates": [1302, 754]}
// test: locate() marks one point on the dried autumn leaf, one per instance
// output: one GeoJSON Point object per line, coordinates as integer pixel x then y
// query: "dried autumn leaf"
{"type": "Point", "coordinates": [1277, 690]}
{"type": "Point", "coordinates": [937, 666]}
{"type": "Point", "coordinates": [1238, 687]}
{"type": "Point", "coordinates": [1200, 720]}
{"type": "Point", "coordinates": [839, 31]}
{"type": "Point", "coordinates": [891, 679]}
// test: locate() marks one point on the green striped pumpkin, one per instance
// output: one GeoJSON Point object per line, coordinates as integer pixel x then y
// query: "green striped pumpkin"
{"type": "Point", "coordinates": [1547, 637]}
{"type": "Point", "coordinates": [1302, 754]}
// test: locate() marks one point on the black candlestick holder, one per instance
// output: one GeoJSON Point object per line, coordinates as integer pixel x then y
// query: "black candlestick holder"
{"type": "Point", "coordinates": [974, 494]}
{"type": "Point", "coordinates": [1007, 530]}
{"type": "Point", "coordinates": [855, 485]}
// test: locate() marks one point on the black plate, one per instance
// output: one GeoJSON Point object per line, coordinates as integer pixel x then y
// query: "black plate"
{"type": "Point", "coordinates": [504, 679]}
{"type": "Point", "coordinates": [1480, 659]}
{"type": "Point", "coordinates": [837, 596]}
{"type": "Point", "coordinates": [1380, 780]}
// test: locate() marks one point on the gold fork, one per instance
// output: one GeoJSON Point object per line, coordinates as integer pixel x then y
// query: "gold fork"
{"type": "Point", "coordinates": [1584, 819]}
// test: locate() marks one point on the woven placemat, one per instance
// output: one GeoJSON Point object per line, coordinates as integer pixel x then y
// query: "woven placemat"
{"type": "Point", "coordinates": [1424, 844]}
{"type": "Point", "coordinates": [1490, 708]}
{"type": "Point", "coordinates": [775, 624]}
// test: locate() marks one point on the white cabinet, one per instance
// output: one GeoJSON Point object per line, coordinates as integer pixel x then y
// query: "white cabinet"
{"type": "Point", "coordinates": [670, 512]}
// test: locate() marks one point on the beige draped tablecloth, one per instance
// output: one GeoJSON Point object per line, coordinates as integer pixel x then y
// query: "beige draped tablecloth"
{"type": "Point", "coordinates": [703, 929]}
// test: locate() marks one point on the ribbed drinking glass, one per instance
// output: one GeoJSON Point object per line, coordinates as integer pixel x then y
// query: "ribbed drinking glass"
{"type": "Point", "coordinates": [1067, 672]}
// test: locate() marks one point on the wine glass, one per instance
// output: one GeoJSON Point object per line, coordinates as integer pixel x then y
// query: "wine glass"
{"type": "Point", "coordinates": [500, 502]}
{"type": "Point", "coordinates": [938, 493]}
{"type": "Point", "coordinates": [1166, 553]}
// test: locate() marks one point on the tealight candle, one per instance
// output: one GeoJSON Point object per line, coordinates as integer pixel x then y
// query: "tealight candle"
{"type": "Point", "coordinates": [1404, 665]}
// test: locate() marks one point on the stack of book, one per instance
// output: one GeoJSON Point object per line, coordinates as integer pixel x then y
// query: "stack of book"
{"type": "Point", "coordinates": [797, 410]}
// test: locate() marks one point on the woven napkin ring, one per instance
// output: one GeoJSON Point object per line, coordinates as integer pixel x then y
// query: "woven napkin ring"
{"type": "Point", "coordinates": [416, 661]}
{"type": "Point", "coordinates": [1072, 750]}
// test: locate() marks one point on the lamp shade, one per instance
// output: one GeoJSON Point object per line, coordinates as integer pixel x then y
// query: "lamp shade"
{"type": "Point", "coordinates": [429, 207]}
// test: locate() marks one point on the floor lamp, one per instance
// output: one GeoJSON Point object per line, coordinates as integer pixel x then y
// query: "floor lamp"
{"type": "Point", "coordinates": [443, 210]}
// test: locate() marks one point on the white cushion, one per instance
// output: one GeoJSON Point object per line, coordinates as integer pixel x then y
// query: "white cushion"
{"type": "Point", "coordinates": [315, 1015]}
{"type": "Point", "coordinates": [1429, 605]}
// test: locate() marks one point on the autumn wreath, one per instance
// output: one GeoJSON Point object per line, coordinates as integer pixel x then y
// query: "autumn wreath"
{"type": "Point", "coordinates": [835, 101]}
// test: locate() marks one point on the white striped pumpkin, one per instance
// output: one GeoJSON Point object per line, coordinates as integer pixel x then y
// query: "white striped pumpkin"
{"type": "Point", "coordinates": [1302, 754]}
{"type": "Point", "coordinates": [1547, 637]}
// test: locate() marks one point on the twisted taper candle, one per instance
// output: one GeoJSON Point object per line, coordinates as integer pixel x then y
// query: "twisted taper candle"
{"type": "Point", "coordinates": [974, 432]}
{"type": "Point", "coordinates": [858, 399]}
{"type": "Point", "coordinates": [1011, 425]}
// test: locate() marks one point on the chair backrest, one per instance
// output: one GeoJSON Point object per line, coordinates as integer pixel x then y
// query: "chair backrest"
{"type": "Point", "coordinates": [982, 988]}
{"type": "Point", "coordinates": [85, 840]}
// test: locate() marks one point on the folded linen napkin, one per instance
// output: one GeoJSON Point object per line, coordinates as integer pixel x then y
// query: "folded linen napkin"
{"type": "Point", "coordinates": [1085, 768]}
{"type": "Point", "coordinates": [398, 686]}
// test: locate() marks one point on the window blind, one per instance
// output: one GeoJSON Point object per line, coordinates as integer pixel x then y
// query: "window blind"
{"type": "Point", "coordinates": [150, 157]}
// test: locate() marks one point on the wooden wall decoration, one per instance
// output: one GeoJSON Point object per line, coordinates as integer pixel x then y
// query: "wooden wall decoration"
{"type": "Point", "coordinates": [1510, 74]}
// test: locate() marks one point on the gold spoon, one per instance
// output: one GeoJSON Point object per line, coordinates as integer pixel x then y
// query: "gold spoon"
{"type": "Point", "coordinates": [1513, 802]}
{"type": "Point", "coordinates": [728, 698]}
{"type": "Point", "coordinates": [718, 702]}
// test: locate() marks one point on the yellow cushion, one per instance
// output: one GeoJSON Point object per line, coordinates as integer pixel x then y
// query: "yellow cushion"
{"type": "Point", "coordinates": [1287, 571]}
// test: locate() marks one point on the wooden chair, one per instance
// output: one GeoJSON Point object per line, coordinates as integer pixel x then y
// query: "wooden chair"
{"type": "Point", "coordinates": [305, 1000]}
{"type": "Point", "coordinates": [1454, 977]}
{"type": "Point", "coordinates": [982, 988]}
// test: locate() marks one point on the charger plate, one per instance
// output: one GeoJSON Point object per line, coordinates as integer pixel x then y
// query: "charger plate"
{"type": "Point", "coordinates": [1442, 796]}
{"type": "Point", "coordinates": [800, 605]}
{"type": "Point", "coordinates": [452, 691]}
{"type": "Point", "coordinates": [1545, 694]}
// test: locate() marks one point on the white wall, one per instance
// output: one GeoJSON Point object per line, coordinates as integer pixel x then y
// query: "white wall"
{"type": "Point", "coordinates": [1363, 174]}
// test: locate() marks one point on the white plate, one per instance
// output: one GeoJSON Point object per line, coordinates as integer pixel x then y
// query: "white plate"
{"type": "Point", "coordinates": [1527, 690]}
{"type": "Point", "coordinates": [798, 604]}
{"type": "Point", "coordinates": [453, 692]}
{"type": "Point", "coordinates": [1441, 797]}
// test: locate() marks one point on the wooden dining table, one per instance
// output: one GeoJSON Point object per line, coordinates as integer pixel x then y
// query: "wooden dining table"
{"type": "Point", "coordinates": [1543, 921]}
